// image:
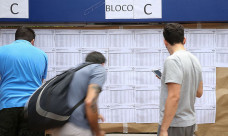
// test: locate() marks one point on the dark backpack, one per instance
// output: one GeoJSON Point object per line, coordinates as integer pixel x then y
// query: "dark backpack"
{"type": "Point", "coordinates": [47, 107]}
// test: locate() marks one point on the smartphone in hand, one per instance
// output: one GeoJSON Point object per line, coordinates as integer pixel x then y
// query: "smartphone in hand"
{"type": "Point", "coordinates": [157, 73]}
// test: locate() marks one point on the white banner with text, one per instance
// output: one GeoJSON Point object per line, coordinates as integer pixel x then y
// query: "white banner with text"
{"type": "Point", "coordinates": [133, 9]}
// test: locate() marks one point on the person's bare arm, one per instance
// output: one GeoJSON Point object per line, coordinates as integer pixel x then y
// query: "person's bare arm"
{"type": "Point", "coordinates": [170, 106]}
{"type": "Point", "coordinates": [200, 90]}
{"type": "Point", "coordinates": [92, 110]}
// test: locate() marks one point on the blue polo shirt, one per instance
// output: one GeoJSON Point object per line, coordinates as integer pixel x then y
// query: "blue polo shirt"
{"type": "Point", "coordinates": [22, 68]}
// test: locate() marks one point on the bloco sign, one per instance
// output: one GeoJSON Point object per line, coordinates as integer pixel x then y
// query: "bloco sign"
{"type": "Point", "coordinates": [133, 9]}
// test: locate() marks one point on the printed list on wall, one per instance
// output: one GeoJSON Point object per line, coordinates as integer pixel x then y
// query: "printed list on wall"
{"type": "Point", "coordinates": [131, 92]}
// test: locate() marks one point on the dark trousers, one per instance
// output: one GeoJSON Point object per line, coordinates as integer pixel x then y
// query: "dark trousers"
{"type": "Point", "coordinates": [12, 123]}
{"type": "Point", "coordinates": [179, 131]}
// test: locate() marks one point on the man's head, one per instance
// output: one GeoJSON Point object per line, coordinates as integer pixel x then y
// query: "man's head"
{"type": "Point", "coordinates": [174, 34]}
{"type": "Point", "coordinates": [95, 57]}
{"type": "Point", "coordinates": [25, 33]}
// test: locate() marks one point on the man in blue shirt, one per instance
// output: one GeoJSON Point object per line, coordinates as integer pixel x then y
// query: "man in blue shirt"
{"type": "Point", "coordinates": [22, 70]}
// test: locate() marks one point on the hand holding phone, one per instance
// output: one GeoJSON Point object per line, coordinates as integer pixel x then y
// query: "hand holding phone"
{"type": "Point", "coordinates": [157, 73]}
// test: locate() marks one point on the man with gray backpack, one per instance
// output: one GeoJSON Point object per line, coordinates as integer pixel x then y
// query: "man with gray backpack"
{"type": "Point", "coordinates": [67, 103]}
{"type": "Point", "coordinates": [87, 82]}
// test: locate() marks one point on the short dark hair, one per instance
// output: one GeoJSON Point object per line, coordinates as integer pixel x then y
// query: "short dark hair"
{"type": "Point", "coordinates": [173, 33]}
{"type": "Point", "coordinates": [95, 57]}
{"type": "Point", "coordinates": [25, 33]}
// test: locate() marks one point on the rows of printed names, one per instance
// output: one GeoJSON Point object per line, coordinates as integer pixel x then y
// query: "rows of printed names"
{"type": "Point", "coordinates": [142, 38]}
{"type": "Point", "coordinates": [148, 114]}
{"type": "Point", "coordinates": [137, 58]}
{"type": "Point", "coordinates": [138, 95]}
{"type": "Point", "coordinates": [139, 76]}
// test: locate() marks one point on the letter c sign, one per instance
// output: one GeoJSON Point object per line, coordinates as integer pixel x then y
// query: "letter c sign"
{"type": "Point", "coordinates": [11, 8]}
{"type": "Point", "coordinates": [14, 8]}
{"type": "Point", "coordinates": [145, 11]}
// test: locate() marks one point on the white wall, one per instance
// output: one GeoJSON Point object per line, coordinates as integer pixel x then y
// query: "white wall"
{"type": "Point", "coordinates": [131, 93]}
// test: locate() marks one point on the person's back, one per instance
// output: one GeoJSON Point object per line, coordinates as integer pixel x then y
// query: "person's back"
{"type": "Point", "coordinates": [190, 70]}
{"type": "Point", "coordinates": [92, 74]}
{"type": "Point", "coordinates": [181, 83]}
{"type": "Point", "coordinates": [22, 69]}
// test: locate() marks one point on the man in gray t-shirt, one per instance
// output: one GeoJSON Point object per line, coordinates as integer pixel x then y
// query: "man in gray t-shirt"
{"type": "Point", "coordinates": [181, 83]}
{"type": "Point", "coordinates": [87, 82]}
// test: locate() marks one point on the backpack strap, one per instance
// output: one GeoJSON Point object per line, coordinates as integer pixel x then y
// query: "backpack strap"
{"type": "Point", "coordinates": [76, 69]}
{"type": "Point", "coordinates": [82, 66]}
{"type": "Point", "coordinates": [78, 104]}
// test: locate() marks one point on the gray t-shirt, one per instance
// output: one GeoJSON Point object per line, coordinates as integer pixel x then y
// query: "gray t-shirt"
{"type": "Point", "coordinates": [92, 74]}
{"type": "Point", "coordinates": [182, 68]}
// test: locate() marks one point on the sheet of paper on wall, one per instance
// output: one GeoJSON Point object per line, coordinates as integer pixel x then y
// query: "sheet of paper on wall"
{"type": "Point", "coordinates": [205, 56]}
{"type": "Point", "coordinates": [7, 36]}
{"type": "Point", "coordinates": [121, 38]}
{"type": "Point", "coordinates": [147, 95]}
{"type": "Point", "coordinates": [67, 39]}
{"type": "Point", "coordinates": [208, 98]}
{"type": "Point", "coordinates": [221, 37]}
{"type": "Point", "coordinates": [200, 39]}
{"type": "Point", "coordinates": [222, 57]}
{"type": "Point", "coordinates": [121, 113]}
{"type": "Point", "coordinates": [149, 38]}
{"type": "Point", "coordinates": [120, 57]}
{"type": "Point", "coordinates": [209, 75]}
{"type": "Point", "coordinates": [123, 95]}
{"type": "Point", "coordinates": [45, 38]}
{"type": "Point", "coordinates": [205, 114]}
{"type": "Point", "coordinates": [104, 99]}
{"type": "Point", "coordinates": [93, 38]}
{"type": "Point", "coordinates": [147, 57]}
{"type": "Point", "coordinates": [147, 113]}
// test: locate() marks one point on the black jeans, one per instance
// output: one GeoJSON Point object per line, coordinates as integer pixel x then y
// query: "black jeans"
{"type": "Point", "coordinates": [12, 123]}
